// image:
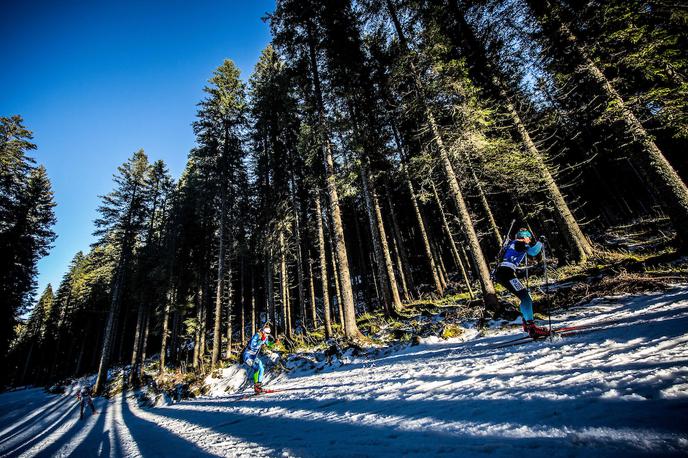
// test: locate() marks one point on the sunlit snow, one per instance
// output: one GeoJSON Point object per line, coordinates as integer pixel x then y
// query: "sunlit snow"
{"type": "Point", "coordinates": [618, 391]}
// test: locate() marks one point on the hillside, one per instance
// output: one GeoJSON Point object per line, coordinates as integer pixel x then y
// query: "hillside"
{"type": "Point", "coordinates": [620, 388]}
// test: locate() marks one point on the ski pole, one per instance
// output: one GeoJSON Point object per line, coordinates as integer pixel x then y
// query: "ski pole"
{"type": "Point", "coordinates": [544, 265]}
{"type": "Point", "coordinates": [505, 241]}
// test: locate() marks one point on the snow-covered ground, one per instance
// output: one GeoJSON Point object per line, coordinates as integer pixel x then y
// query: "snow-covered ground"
{"type": "Point", "coordinates": [620, 391]}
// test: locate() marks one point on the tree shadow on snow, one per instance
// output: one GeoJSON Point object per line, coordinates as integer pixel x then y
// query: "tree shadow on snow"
{"type": "Point", "coordinates": [153, 440]}
{"type": "Point", "coordinates": [54, 419]}
{"type": "Point", "coordinates": [337, 431]}
{"type": "Point", "coordinates": [22, 427]}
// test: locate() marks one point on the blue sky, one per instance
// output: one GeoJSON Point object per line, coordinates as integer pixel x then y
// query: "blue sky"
{"type": "Point", "coordinates": [95, 81]}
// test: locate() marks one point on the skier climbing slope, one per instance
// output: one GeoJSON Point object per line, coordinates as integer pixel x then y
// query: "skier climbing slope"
{"type": "Point", "coordinates": [250, 356]}
{"type": "Point", "coordinates": [84, 397]}
{"type": "Point", "coordinates": [523, 245]}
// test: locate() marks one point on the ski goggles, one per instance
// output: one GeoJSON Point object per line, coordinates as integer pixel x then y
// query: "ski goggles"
{"type": "Point", "coordinates": [524, 234]}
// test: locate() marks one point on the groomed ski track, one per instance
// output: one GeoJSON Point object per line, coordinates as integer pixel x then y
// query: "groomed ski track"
{"type": "Point", "coordinates": [621, 390]}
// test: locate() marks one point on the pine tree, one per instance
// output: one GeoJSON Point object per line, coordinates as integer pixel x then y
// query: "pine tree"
{"type": "Point", "coordinates": [220, 120]}
{"type": "Point", "coordinates": [275, 136]}
{"type": "Point", "coordinates": [152, 272]}
{"type": "Point", "coordinates": [294, 28]}
{"type": "Point", "coordinates": [121, 223]}
{"type": "Point", "coordinates": [657, 171]}
{"type": "Point", "coordinates": [35, 334]}
{"type": "Point", "coordinates": [349, 73]}
{"type": "Point", "coordinates": [467, 226]}
{"type": "Point", "coordinates": [26, 220]}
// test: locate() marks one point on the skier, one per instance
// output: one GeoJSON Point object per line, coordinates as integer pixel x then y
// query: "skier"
{"type": "Point", "coordinates": [524, 244]}
{"type": "Point", "coordinates": [84, 397]}
{"type": "Point", "coordinates": [250, 356]}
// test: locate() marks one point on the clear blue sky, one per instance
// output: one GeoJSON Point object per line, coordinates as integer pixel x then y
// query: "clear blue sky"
{"type": "Point", "coordinates": [97, 80]}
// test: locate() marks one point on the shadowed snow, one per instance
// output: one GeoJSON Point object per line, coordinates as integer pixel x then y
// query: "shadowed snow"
{"type": "Point", "coordinates": [618, 391]}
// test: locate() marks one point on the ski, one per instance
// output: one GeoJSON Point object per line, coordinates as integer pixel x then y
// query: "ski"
{"type": "Point", "coordinates": [508, 343]}
{"type": "Point", "coordinates": [562, 331]}
{"type": "Point", "coordinates": [514, 342]}
{"type": "Point", "coordinates": [598, 323]}
{"type": "Point", "coordinates": [268, 391]}
{"type": "Point", "coordinates": [576, 331]}
{"type": "Point", "coordinates": [565, 330]}
{"type": "Point", "coordinates": [253, 395]}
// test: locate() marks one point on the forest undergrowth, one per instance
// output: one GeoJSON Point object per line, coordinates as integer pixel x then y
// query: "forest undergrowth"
{"type": "Point", "coordinates": [632, 268]}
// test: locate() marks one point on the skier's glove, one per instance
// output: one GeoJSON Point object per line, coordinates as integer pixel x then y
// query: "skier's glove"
{"type": "Point", "coordinates": [532, 241]}
{"type": "Point", "coordinates": [543, 239]}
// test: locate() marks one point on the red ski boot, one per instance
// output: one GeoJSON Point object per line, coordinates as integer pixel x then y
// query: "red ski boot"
{"type": "Point", "coordinates": [534, 331]}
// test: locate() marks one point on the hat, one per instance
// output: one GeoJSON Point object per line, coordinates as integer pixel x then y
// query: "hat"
{"type": "Point", "coordinates": [523, 233]}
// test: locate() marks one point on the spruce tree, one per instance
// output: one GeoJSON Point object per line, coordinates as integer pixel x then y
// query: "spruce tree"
{"type": "Point", "coordinates": [120, 225]}
{"type": "Point", "coordinates": [658, 173]}
{"type": "Point", "coordinates": [26, 220]}
{"type": "Point", "coordinates": [219, 129]}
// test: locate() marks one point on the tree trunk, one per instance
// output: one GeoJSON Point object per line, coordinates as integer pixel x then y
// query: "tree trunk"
{"type": "Point", "coordinates": [311, 288]}
{"type": "Point", "coordinates": [138, 333]}
{"type": "Point", "coordinates": [144, 339]}
{"type": "Point", "coordinates": [290, 312]}
{"type": "Point", "coordinates": [275, 294]}
{"type": "Point", "coordinates": [174, 337]}
{"type": "Point", "coordinates": [323, 268]}
{"type": "Point", "coordinates": [204, 335]}
{"type": "Point", "coordinates": [80, 360]}
{"type": "Point", "coordinates": [404, 269]}
{"type": "Point", "coordinates": [491, 223]}
{"type": "Point", "coordinates": [253, 304]}
{"type": "Point", "coordinates": [123, 333]}
{"type": "Point", "coordinates": [217, 336]}
{"type": "Point", "coordinates": [300, 276]}
{"type": "Point", "coordinates": [284, 284]}
{"type": "Point", "coordinates": [489, 295]}
{"type": "Point", "coordinates": [350, 327]}
{"type": "Point", "coordinates": [165, 329]}
{"type": "Point", "coordinates": [388, 282]}
{"type": "Point", "coordinates": [337, 299]}
{"type": "Point", "coordinates": [452, 244]}
{"type": "Point", "coordinates": [372, 265]}
{"type": "Point", "coordinates": [204, 322]}
{"type": "Point", "coordinates": [111, 323]}
{"type": "Point", "coordinates": [396, 299]}
{"type": "Point", "coordinates": [230, 305]}
{"type": "Point", "coordinates": [269, 292]}
{"type": "Point", "coordinates": [242, 304]}
{"type": "Point", "coordinates": [197, 334]}
{"type": "Point", "coordinates": [419, 216]}
{"type": "Point", "coordinates": [362, 260]}
{"type": "Point", "coordinates": [382, 274]}
{"type": "Point", "coordinates": [396, 257]}
{"type": "Point", "coordinates": [441, 269]}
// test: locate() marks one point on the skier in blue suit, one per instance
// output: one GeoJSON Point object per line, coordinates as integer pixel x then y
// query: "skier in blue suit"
{"type": "Point", "coordinates": [524, 244]}
{"type": "Point", "coordinates": [250, 356]}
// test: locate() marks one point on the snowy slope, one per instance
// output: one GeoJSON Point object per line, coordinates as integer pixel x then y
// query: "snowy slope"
{"type": "Point", "coordinates": [619, 391]}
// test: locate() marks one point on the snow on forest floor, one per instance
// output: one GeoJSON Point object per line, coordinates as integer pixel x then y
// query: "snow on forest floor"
{"type": "Point", "coordinates": [619, 391]}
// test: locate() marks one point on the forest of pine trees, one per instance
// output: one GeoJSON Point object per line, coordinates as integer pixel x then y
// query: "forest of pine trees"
{"type": "Point", "coordinates": [375, 156]}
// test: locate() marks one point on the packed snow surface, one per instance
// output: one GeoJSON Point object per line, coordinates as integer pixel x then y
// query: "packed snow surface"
{"type": "Point", "coordinates": [617, 391]}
